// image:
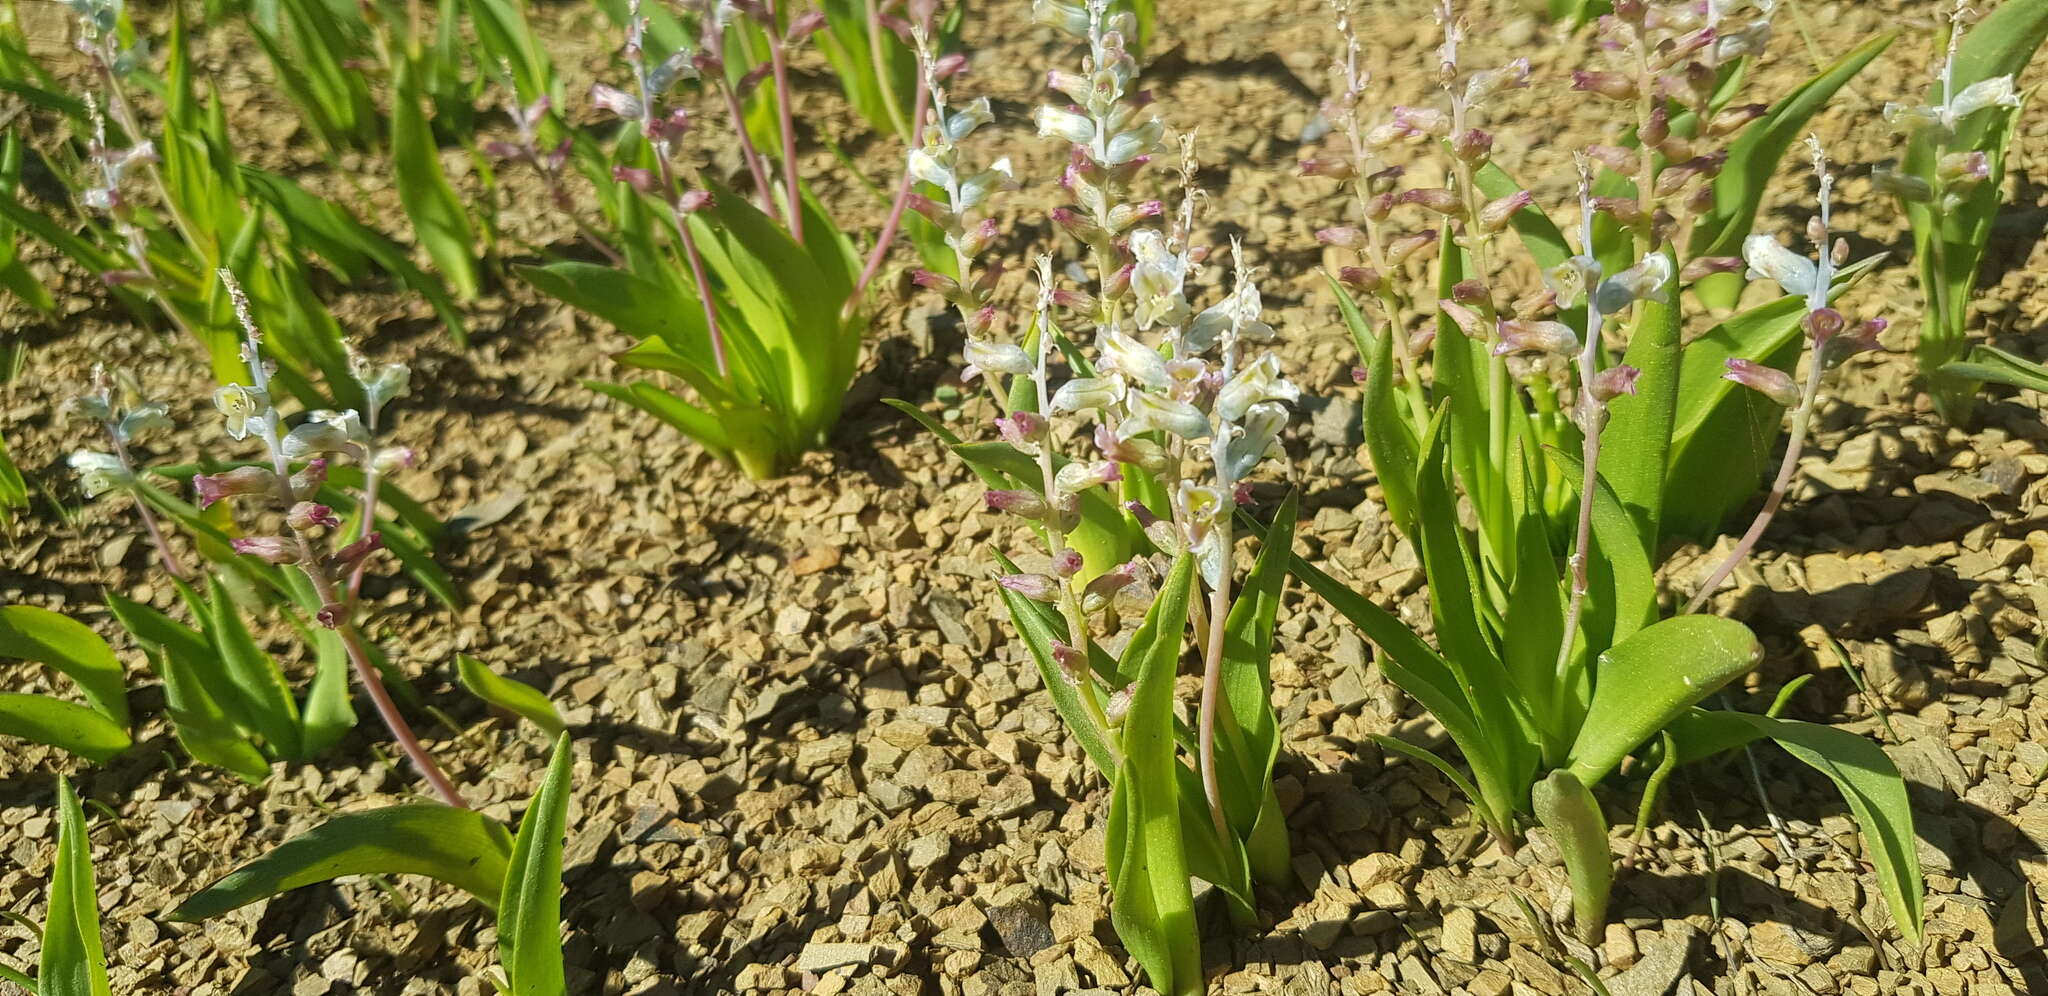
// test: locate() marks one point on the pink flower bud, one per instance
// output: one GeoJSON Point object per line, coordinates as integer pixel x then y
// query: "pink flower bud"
{"type": "Point", "coordinates": [1073, 663]}
{"type": "Point", "coordinates": [641, 180]}
{"type": "Point", "coordinates": [346, 558]}
{"type": "Point", "coordinates": [1472, 146]}
{"type": "Point", "coordinates": [1703, 266]}
{"type": "Point", "coordinates": [1422, 121]}
{"type": "Point", "coordinates": [1363, 279]}
{"type": "Point", "coordinates": [1467, 320]}
{"type": "Point", "coordinates": [1400, 249]}
{"type": "Point", "coordinates": [1659, 127]}
{"type": "Point", "coordinates": [1021, 428]}
{"type": "Point", "coordinates": [1435, 199]}
{"type": "Point", "coordinates": [1067, 563]}
{"type": "Point", "coordinates": [1614, 86]}
{"type": "Point", "coordinates": [1824, 324]}
{"type": "Point", "coordinates": [1496, 213]}
{"type": "Point", "coordinates": [693, 201]}
{"type": "Point", "coordinates": [308, 481]}
{"type": "Point", "coordinates": [950, 65]}
{"type": "Point", "coordinates": [234, 483]}
{"type": "Point", "coordinates": [1771, 382]}
{"type": "Point", "coordinates": [1334, 169]}
{"type": "Point", "coordinates": [1536, 337]}
{"type": "Point", "coordinates": [270, 549]}
{"type": "Point", "coordinates": [616, 101]}
{"type": "Point", "coordinates": [1732, 119]}
{"type": "Point", "coordinates": [1036, 587]}
{"type": "Point", "coordinates": [1471, 293]}
{"type": "Point", "coordinates": [306, 515]}
{"type": "Point", "coordinates": [1964, 167]}
{"type": "Point", "coordinates": [1241, 493]}
{"type": "Point", "coordinates": [1074, 300]}
{"type": "Point", "coordinates": [1615, 381]}
{"type": "Point", "coordinates": [1379, 206]}
{"type": "Point", "coordinates": [1626, 210]}
{"type": "Point", "coordinates": [1078, 226]}
{"type": "Point", "coordinates": [1344, 237]}
{"type": "Point", "coordinates": [1383, 181]}
{"type": "Point", "coordinates": [1358, 375]}
{"type": "Point", "coordinates": [1614, 157]}
{"type": "Point", "coordinates": [805, 25]}
{"type": "Point", "coordinates": [1027, 504]}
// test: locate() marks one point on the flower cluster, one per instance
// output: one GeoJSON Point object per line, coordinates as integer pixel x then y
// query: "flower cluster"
{"type": "Point", "coordinates": [103, 471]}
{"type": "Point", "coordinates": [299, 461]}
{"type": "Point", "coordinates": [1957, 172]}
{"type": "Point", "coordinates": [938, 162]}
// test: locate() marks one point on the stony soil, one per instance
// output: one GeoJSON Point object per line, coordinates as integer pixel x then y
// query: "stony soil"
{"type": "Point", "coordinates": [810, 757]}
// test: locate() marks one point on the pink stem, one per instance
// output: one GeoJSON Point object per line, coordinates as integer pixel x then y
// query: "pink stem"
{"type": "Point", "coordinates": [903, 189]}
{"type": "Point", "coordinates": [1801, 420]}
{"type": "Point", "coordinates": [776, 58]}
{"type": "Point", "coordinates": [748, 152]}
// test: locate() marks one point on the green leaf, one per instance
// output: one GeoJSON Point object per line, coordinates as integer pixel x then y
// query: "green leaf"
{"type": "Point", "coordinates": [1533, 632]}
{"type": "Point", "coordinates": [74, 963]}
{"type": "Point", "coordinates": [256, 695]}
{"type": "Point", "coordinates": [68, 725]}
{"type": "Point", "coordinates": [515, 697]}
{"type": "Point", "coordinates": [13, 489]}
{"type": "Point", "coordinates": [1568, 810]}
{"type": "Point", "coordinates": [1389, 431]}
{"type": "Point", "coordinates": [1860, 769]}
{"type": "Point", "coordinates": [1989, 363]}
{"type": "Point", "coordinates": [530, 910]}
{"type": "Point", "coordinates": [70, 648]}
{"type": "Point", "coordinates": [181, 656]}
{"type": "Point", "coordinates": [1752, 161]}
{"type": "Point", "coordinates": [1247, 727]}
{"type": "Point", "coordinates": [1650, 679]}
{"type": "Point", "coordinates": [1636, 444]}
{"type": "Point", "coordinates": [461, 847]}
{"type": "Point", "coordinates": [1152, 907]}
{"type": "Point", "coordinates": [1622, 597]}
{"type": "Point", "coordinates": [438, 218]}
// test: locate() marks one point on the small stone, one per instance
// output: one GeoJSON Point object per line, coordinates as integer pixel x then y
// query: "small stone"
{"type": "Point", "coordinates": [1788, 945]}
{"type": "Point", "coordinates": [821, 958]}
{"type": "Point", "coordinates": [1022, 927]}
{"type": "Point", "coordinates": [1461, 935]}
{"type": "Point", "coordinates": [1620, 946]}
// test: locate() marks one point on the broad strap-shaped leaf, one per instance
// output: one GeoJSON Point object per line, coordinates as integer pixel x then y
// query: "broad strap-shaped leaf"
{"type": "Point", "coordinates": [1635, 447]}
{"type": "Point", "coordinates": [70, 648]}
{"type": "Point", "coordinates": [1534, 631]}
{"type": "Point", "coordinates": [439, 220]}
{"type": "Point", "coordinates": [530, 907]}
{"type": "Point", "coordinates": [461, 847]}
{"type": "Point", "coordinates": [1390, 432]}
{"type": "Point", "coordinates": [74, 962]}
{"type": "Point", "coordinates": [1623, 595]}
{"type": "Point", "coordinates": [1650, 679]}
{"type": "Point", "coordinates": [1152, 907]}
{"type": "Point", "coordinates": [1568, 810]}
{"type": "Point", "coordinates": [179, 655]}
{"type": "Point", "coordinates": [515, 697]}
{"type": "Point", "coordinates": [68, 725]}
{"type": "Point", "coordinates": [1866, 776]}
{"type": "Point", "coordinates": [1247, 727]}
{"type": "Point", "coordinates": [256, 696]}
{"type": "Point", "coordinates": [1753, 159]}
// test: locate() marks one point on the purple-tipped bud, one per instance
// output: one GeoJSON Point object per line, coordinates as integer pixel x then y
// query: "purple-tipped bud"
{"type": "Point", "coordinates": [234, 483]}
{"type": "Point", "coordinates": [1496, 213]}
{"type": "Point", "coordinates": [1241, 493]}
{"type": "Point", "coordinates": [1614, 382]}
{"type": "Point", "coordinates": [1473, 145]}
{"type": "Point", "coordinates": [1027, 504]}
{"type": "Point", "coordinates": [931, 280]}
{"type": "Point", "coordinates": [1067, 563]}
{"type": "Point", "coordinates": [693, 201]}
{"type": "Point", "coordinates": [269, 549]}
{"type": "Point", "coordinates": [1704, 266]}
{"type": "Point", "coordinates": [1079, 226]}
{"type": "Point", "coordinates": [1658, 129]}
{"type": "Point", "coordinates": [346, 558]}
{"type": "Point", "coordinates": [308, 481]}
{"type": "Point", "coordinates": [1073, 663]}
{"type": "Point", "coordinates": [616, 101]}
{"type": "Point", "coordinates": [1771, 382]}
{"type": "Point", "coordinates": [1435, 199]}
{"type": "Point", "coordinates": [1536, 337]}
{"type": "Point", "coordinates": [1331, 168]}
{"type": "Point", "coordinates": [1379, 206]}
{"type": "Point", "coordinates": [1021, 428]}
{"type": "Point", "coordinates": [1344, 237]}
{"type": "Point", "coordinates": [307, 514]}
{"type": "Point", "coordinates": [1824, 324]}
{"type": "Point", "coordinates": [1471, 293]}
{"type": "Point", "coordinates": [1626, 210]}
{"type": "Point", "coordinates": [1363, 279]}
{"type": "Point", "coordinates": [124, 278]}
{"type": "Point", "coordinates": [1383, 181]}
{"type": "Point", "coordinates": [1400, 249]}
{"type": "Point", "coordinates": [1146, 518]}
{"type": "Point", "coordinates": [804, 25]}
{"type": "Point", "coordinates": [1358, 375]}
{"type": "Point", "coordinates": [1036, 587]}
{"type": "Point", "coordinates": [752, 80]}
{"type": "Point", "coordinates": [1420, 121]}
{"type": "Point", "coordinates": [671, 126]}
{"type": "Point", "coordinates": [1074, 300]}
{"type": "Point", "coordinates": [641, 180]}
{"type": "Point", "coordinates": [1614, 86]}
{"type": "Point", "coordinates": [1614, 157]}
{"type": "Point", "coordinates": [1418, 344]}
{"type": "Point", "coordinates": [508, 152]}
{"type": "Point", "coordinates": [1078, 477]}
{"type": "Point", "coordinates": [1119, 283]}
{"type": "Point", "coordinates": [950, 65]}
{"type": "Point", "coordinates": [1118, 705]}
{"type": "Point", "coordinates": [978, 238]}
{"type": "Point", "coordinates": [1732, 119]}
{"type": "Point", "coordinates": [1467, 320]}
{"type": "Point", "coordinates": [1964, 167]}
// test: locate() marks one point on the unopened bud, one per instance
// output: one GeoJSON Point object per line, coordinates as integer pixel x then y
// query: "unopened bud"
{"type": "Point", "coordinates": [1614, 86]}
{"type": "Point", "coordinates": [1067, 563]}
{"type": "Point", "coordinates": [1971, 167]}
{"type": "Point", "coordinates": [1344, 237]}
{"type": "Point", "coordinates": [1614, 157]}
{"type": "Point", "coordinates": [1658, 128]}
{"type": "Point", "coordinates": [1026, 504]}
{"type": "Point", "coordinates": [1074, 300]}
{"type": "Point", "coordinates": [1771, 382]}
{"type": "Point", "coordinates": [1625, 210]}
{"type": "Point", "coordinates": [1119, 704]}
{"type": "Point", "coordinates": [306, 515]}
{"type": "Point", "coordinates": [1467, 320]}
{"type": "Point", "coordinates": [309, 480]}
{"type": "Point", "coordinates": [1363, 279]}
{"type": "Point", "coordinates": [1903, 186]}
{"type": "Point", "coordinates": [1471, 293]}
{"type": "Point", "coordinates": [1020, 428]}
{"type": "Point", "coordinates": [1036, 587]}
{"type": "Point", "coordinates": [269, 549]}
{"type": "Point", "coordinates": [1422, 121]}
{"type": "Point", "coordinates": [1334, 169]}
{"type": "Point", "coordinates": [1614, 381]}
{"type": "Point", "coordinates": [1699, 267]}
{"type": "Point", "coordinates": [641, 180]}
{"type": "Point", "coordinates": [1536, 337]}
{"type": "Point", "coordinates": [234, 483]}
{"type": "Point", "coordinates": [1400, 249]}
{"type": "Point", "coordinates": [950, 65]}
{"type": "Point", "coordinates": [1435, 199]}
{"type": "Point", "coordinates": [805, 24]}
{"type": "Point", "coordinates": [1496, 213]}
{"type": "Point", "coordinates": [1472, 146]}
{"type": "Point", "coordinates": [1378, 206]}
{"type": "Point", "coordinates": [1383, 181]}
{"type": "Point", "coordinates": [1730, 120]}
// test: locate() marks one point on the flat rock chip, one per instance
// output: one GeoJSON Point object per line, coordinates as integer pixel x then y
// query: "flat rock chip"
{"type": "Point", "coordinates": [1022, 927]}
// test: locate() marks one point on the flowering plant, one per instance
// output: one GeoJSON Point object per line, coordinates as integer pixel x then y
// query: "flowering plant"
{"type": "Point", "coordinates": [1128, 450]}
{"type": "Point", "coordinates": [1951, 186]}
{"type": "Point", "coordinates": [1552, 662]}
